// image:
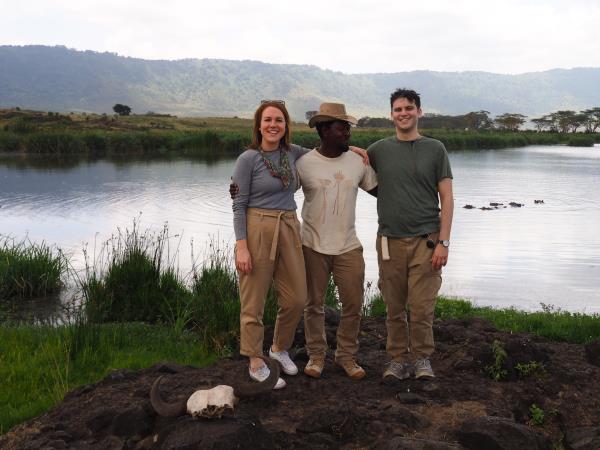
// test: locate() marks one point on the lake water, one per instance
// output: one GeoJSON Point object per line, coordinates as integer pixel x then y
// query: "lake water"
{"type": "Point", "coordinates": [539, 253]}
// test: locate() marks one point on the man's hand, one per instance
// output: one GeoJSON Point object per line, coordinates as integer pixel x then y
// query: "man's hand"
{"type": "Point", "coordinates": [233, 190]}
{"type": "Point", "coordinates": [440, 257]}
{"type": "Point", "coordinates": [361, 152]}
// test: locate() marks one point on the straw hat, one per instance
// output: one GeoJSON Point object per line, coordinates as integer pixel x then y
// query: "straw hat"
{"type": "Point", "coordinates": [331, 111]}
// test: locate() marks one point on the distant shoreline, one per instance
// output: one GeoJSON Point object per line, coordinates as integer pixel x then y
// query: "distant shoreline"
{"type": "Point", "coordinates": [53, 134]}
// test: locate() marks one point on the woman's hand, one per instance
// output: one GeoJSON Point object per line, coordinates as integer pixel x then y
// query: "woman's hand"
{"type": "Point", "coordinates": [243, 260]}
{"type": "Point", "coordinates": [362, 153]}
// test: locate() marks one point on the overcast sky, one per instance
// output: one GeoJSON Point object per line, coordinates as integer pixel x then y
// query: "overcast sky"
{"type": "Point", "coordinates": [508, 36]}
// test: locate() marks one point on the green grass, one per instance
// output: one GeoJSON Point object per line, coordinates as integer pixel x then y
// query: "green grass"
{"type": "Point", "coordinates": [38, 364]}
{"type": "Point", "coordinates": [581, 141]}
{"type": "Point", "coordinates": [550, 322]}
{"type": "Point", "coordinates": [29, 270]}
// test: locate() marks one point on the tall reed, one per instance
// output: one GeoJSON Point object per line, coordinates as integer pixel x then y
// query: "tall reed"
{"type": "Point", "coordinates": [132, 279]}
{"type": "Point", "coordinates": [215, 305]}
{"type": "Point", "coordinates": [29, 270]}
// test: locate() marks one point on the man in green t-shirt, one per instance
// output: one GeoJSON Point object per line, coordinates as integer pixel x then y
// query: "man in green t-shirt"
{"type": "Point", "coordinates": [415, 208]}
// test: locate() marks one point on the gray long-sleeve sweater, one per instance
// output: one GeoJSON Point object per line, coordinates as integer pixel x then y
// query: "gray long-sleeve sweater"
{"type": "Point", "coordinates": [259, 189]}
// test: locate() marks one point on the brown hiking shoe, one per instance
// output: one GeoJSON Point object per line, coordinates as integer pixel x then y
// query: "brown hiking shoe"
{"type": "Point", "coordinates": [352, 369]}
{"type": "Point", "coordinates": [314, 368]}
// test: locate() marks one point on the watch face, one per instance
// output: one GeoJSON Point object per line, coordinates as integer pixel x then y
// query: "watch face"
{"type": "Point", "coordinates": [445, 243]}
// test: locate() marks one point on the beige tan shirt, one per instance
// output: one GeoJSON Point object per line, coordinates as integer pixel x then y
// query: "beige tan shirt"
{"type": "Point", "coordinates": [330, 187]}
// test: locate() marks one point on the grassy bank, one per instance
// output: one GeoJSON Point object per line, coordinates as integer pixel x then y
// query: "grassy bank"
{"type": "Point", "coordinates": [133, 279]}
{"type": "Point", "coordinates": [552, 323]}
{"type": "Point", "coordinates": [40, 364]}
{"type": "Point", "coordinates": [136, 309]}
{"type": "Point", "coordinates": [100, 136]}
{"type": "Point", "coordinates": [125, 143]}
{"type": "Point", "coordinates": [215, 143]}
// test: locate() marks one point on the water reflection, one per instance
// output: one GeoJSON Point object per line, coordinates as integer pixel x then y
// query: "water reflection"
{"type": "Point", "coordinates": [547, 253]}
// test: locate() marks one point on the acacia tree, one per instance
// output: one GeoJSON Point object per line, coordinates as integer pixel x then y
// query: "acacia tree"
{"type": "Point", "coordinates": [375, 122]}
{"type": "Point", "coordinates": [541, 123]}
{"type": "Point", "coordinates": [564, 120]}
{"type": "Point", "coordinates": [578, 120]}
{"type": "Point", "coordinates": [592, 119]}
{"type": "Point", "coordinates": [510, 121]}
{"type": "Point", "coordinates": [478, 120]}
{"type": "Point", "coordinates": [310, 114]}
{"type": "Point", "coordinates": [122, 110]}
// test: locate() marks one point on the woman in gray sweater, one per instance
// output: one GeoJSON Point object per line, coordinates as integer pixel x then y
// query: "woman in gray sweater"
{"type": "Point", "coordinates": [268, 243]}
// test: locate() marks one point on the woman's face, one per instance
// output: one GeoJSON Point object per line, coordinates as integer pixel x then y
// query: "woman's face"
{"type": "Point", "coordinates": [272, 128]}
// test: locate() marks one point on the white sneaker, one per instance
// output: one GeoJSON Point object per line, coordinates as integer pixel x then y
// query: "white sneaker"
{"type": "Point", "coordinates": [263, 373]}
{"type": "Point", "coordinates": [283, 358]}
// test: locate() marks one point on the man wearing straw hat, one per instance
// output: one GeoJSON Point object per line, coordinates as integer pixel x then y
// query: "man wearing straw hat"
{"type": "Point", "coordinates": [330, 177]}
{"type": "Point", "coordinates": [415, 208]}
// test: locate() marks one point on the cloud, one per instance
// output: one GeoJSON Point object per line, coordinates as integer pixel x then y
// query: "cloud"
{"type": "Point", "coordinates": [350, 36]}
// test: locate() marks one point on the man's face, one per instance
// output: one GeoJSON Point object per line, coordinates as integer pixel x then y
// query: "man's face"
{"type": "Point", "coordinates": [338, 134]}
{"type": "Point", "coordinates": [405, 114]}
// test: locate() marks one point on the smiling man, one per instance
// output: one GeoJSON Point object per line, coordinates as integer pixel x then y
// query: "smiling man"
{"type": "Point", "coordinates": [330, 177]}
{"type": "Point", "coordinates": [415, 208]}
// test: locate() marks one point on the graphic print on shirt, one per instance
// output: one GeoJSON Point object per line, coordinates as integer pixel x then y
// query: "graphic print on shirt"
{"type": "Point", "coordinates": [339, 177]}
{"type": "Point", "coordinates": [334, 192]}
{"type": "Point", "coordinates": [324, 184]}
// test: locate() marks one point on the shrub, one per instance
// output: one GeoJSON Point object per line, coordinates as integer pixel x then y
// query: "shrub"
{"type": "Point", "coordinates": [61, 143]}
{"type": "Point", "coordinates": [9, 142]}
{"type": "Point", "coordinates": [497, 370]}
{"type": "Point", "coordinates": [95, 143]}
{"type": "Point", "coordinates": [581, 141]}
{"type": "Point", "coordinates": [537, 415]}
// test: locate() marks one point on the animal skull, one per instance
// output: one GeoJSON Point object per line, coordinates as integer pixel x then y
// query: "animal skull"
{"type": "Point", "coordinates": [211, 403]}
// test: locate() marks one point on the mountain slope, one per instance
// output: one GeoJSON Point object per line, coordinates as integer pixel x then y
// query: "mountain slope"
{"type": "Point", "coordinates": [60, 79]}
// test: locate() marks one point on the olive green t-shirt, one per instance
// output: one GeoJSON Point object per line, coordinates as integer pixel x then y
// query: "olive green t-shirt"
{"type": "Point", "coordinates": [408, 174]}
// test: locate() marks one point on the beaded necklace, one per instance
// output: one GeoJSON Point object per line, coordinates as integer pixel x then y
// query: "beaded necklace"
{"type": "Point", "coordinates": [283, 170]}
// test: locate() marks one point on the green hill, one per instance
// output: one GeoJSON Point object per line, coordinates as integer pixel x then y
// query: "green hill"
{"type": "Point", "coordinates": [60, 79]}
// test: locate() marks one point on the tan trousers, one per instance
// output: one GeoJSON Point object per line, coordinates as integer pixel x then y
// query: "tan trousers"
{"type": "Point", "coordinates": [275, 247]}
{"type": "Point", "coordinates": [348, 271]}
{"type": "Point", "coordinates": [408, 283]}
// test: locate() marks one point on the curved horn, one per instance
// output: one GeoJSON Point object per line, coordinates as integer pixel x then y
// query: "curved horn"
{"type": "Point", "coordinates": [245, 390]}
{"type": "Point", "coordinates": [162, 407]}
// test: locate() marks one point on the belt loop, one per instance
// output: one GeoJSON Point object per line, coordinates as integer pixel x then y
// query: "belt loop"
{"type": "Point", "coordinates": [385, 250]}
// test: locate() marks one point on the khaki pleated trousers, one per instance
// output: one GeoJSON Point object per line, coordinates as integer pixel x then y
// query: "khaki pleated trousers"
{"type": "Point", "coordinates": [409, 287]}
{"type": "Point", "coordinates": [274, 243]}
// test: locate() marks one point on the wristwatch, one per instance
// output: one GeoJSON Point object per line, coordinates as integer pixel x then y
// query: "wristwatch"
{"type": "Point", "coordinates": [445, 243]}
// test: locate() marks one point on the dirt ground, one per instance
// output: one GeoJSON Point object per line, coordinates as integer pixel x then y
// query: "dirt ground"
{"type": "Point", "coordinates": [463, 407]}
